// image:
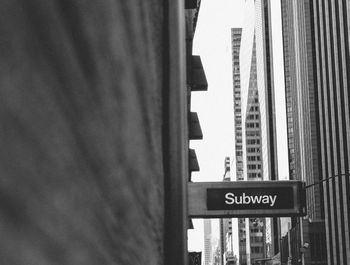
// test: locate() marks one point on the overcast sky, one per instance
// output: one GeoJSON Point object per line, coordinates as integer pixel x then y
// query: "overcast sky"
{"type": "Point", "coordinates": [215, 107]}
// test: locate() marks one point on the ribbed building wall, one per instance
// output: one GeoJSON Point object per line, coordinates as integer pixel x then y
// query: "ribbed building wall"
{"type": "Point", "coordinates": [303, 125]}
{"type": "Point", "coordinates": [331, 34]}
{"type": "Point", "coordinates": [317, 67]}
{"type": "Point", "coordinates": [301, 101]}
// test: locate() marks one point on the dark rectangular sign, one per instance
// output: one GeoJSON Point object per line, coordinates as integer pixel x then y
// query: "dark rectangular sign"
{"type": "Point", "coordinates": [247, 199]}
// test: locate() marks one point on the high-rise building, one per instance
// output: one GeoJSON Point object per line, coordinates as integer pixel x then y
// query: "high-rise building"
{"type": "Point", "coordinates": [301, 102]}
{"type": "Point", "coordinates": [258, 117]}
{"type": "Point", "coordinates": [317, 70]}
{"type": "Point", "coordinates": [236, 34]}
{"type": "Point", "coordinates": [331, 32]}
{"type": "Point", "coordinates": [251, 132]}
{"type": "Point", "coordinates": [266, 91]}
{"type": "Point", "coordinates": [208, 255]}
{"type": "Point", "coordinates": [252, 159]}
{"type": "Point", "coordinates": [226, 238]}
{"type": "Point", "coordinates": [302, 124]}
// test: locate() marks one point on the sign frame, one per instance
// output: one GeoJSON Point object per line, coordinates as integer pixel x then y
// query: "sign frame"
{"type": "Point", "coordinates": [198, 196]}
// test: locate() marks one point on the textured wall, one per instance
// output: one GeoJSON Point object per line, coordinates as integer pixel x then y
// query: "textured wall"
{"type": "Point", "coordinates": [81, 177]}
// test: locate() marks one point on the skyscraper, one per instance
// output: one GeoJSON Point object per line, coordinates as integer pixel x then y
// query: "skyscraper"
{"type": "Point", "coordinates": [208, 255]}
{"type": "Point", "coordinates": [226, 237]}
{"type": "Point", "coordinates": [330, 28]}
{"type": "Point", "coordinates": [304, 152]}
{"type": "Point", "coordinates": [266, 91]}
{"type": "Point", "coordinates": [252, 159]}
{"type": "Point", "coordinates": [258, 115]}
{"type": "Point", "coordinates": [236, 34]}
{"type": "Point", "coordinates": [316, 47]}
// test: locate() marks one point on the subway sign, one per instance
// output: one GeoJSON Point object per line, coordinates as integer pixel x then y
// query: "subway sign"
{"type": "Point", "coordinates": [246, 199]}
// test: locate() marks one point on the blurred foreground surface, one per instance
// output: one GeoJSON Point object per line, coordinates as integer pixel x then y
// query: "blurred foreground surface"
{"type": "Point", "coordinates": [81, 113]}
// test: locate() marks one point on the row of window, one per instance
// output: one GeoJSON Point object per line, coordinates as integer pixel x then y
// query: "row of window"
{"type": "Point", "coordinates": [256, 239]}
{"type": "Point", "coordinates": [257, 230]}
{"type": "Point", "coordinates": [254, 108]}
{"type": "Point", "coordinates": [253, 125]}
{"type": "Point", "coordinates": [253, 150]}
{"type": "Point", "coordinates": [254, 175]}
{"type": "Point", "coordinates": [252, 117]}
{"type": "Point", "coordinates": [254, 166]}
{"type": "Point", "coordinates": [257, 249]}
{"type": "Point", "coordinates": [253, 133]}
{"type": "Point", "coordinates": [253, 141]}
{"type": "Point", "coordinates": [253, 158]}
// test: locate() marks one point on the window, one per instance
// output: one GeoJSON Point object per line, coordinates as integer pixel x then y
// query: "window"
{"type": "Point", "coordinates": [251, 141]}
{"type": "Point", "coordinates": [251, 175]}
{"type": "Point", "coordinates": [251, 166]}
{"type": "Point", "coordinates": [251, 158]}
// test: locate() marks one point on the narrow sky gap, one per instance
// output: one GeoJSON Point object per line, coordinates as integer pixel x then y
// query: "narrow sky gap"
{"type": "Point", "coordinates": [215, 107]}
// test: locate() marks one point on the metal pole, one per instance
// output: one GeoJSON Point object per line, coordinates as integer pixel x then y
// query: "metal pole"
{"type": "Point", "coordinates": [175, 135]}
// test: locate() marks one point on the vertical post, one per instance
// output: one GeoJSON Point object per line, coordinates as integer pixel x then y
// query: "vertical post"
{"type": "Point", "coordinates": [302, 240]}
{"type": "Point", "coordinates": [175, 133]}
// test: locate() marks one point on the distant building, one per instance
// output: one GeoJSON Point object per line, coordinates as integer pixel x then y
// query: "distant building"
{"type": "Point", "coordinates": [258, 117]}
{"type": "Point", "coordinates": [226, 237]}
{"type": "Point", "coordinates": [208, 254]}
{"type": "Point", "coordinates": [255, 227]}
{"type": "Point", "coordinates": [236, 34]}
{"type": "Point", "coordinates": [251, 135]}
{"type": "Point", "coordinates": [266, 91]}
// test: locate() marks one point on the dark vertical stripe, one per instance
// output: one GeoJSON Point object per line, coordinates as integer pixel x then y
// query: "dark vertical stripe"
{"type": "Point", "coordinates": [342, 117]}
{"type": "Point", "coordinates": [347, 65]}
{"type": "Point", "coordinates": [324, 144]}
{"type": "Point", "coordinates": [165, 132]}
{"type": "Point", "coordinates": [335, 133]}
{"type": "Point", "coordinates": [316, 100]}
{"type": "Point", "coordinates": [330, 141]}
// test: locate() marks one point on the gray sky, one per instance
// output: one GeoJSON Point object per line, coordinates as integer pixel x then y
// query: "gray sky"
{"type": "Point", "coordinates": [215, 107]}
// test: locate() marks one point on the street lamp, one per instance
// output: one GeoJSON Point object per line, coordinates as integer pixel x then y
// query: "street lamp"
{"type": "Point", "coordinates": [306, 245]}
{"type": "Point", "coordinates": [332, 177]}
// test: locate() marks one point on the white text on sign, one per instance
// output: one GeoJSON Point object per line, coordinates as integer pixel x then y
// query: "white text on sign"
{"type": "Point", "coordinates": [243, 199]}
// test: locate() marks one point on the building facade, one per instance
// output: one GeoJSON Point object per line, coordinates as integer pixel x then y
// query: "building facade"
{"type": "Point", "coordinates": [330, 31]}
{"type": "Point", "coordinates": [316, 53]}
{"type": "Point", "coordinates": [302, 124]}
{"type": "Point", "coordinates": [253, 228]}
{"type": "Point", "coordinates": [208, 253]}
{"type": "Point", "coordinates": [266, 90]}
{"type": "Point", "coordinates": [236, 34]}
{"type": "Point", "coordinates": [226, 227]}
{"type": "Point", "coordinates": [258, 115]}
